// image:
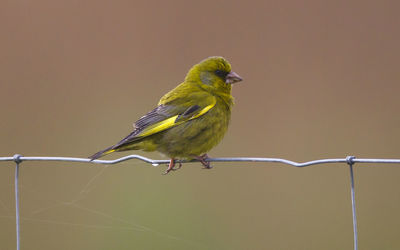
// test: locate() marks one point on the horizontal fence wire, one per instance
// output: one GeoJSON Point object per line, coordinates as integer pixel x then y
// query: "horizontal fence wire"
{"type": "Point", "coordinates": [349, 160]}
{"type": "Point", "coordinates": [353, 160]}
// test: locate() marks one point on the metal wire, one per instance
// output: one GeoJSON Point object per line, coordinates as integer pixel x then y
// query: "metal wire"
{"type": "Point", "coordinates": [16, 188]}
{"type": "Point", "coordinates": [228, 159]}
{"type": "Point", "coordinates": [350, 160]}
{"type": "Point", "coordinates": [353, 201]}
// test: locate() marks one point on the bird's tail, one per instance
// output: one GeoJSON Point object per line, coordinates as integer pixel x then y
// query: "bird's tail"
{"type": "Point", "coordinates": [102, 153]}
{"type": "Point", "coordinates": [128, 143]}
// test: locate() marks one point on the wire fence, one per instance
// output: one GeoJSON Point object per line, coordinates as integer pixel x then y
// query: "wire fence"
{"type": "Point", "coordinates": [349, 160]}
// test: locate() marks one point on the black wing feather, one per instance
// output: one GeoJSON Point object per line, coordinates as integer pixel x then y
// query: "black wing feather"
{"type": "Point", "coordinates": [188, 112]}
{"type": "Point", "coordinates": [158, 114]}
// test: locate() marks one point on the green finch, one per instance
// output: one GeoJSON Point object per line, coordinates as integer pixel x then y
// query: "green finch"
{"type": "Point", "coordinates": [190, 119]}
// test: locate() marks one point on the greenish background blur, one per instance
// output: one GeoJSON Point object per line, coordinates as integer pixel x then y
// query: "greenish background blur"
{"type": "Point", "coordinates": [321, 81]}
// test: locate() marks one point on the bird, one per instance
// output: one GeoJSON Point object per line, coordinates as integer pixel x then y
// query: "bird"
{"type": "Point", "coordinates": [189, 120]}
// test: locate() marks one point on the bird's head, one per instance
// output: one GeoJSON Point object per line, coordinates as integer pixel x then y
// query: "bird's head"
{"type": "Point", "coordinates": [214, 74]}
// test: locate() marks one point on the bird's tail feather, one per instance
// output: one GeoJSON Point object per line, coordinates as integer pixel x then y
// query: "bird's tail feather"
{"type": "Point", "coordinates": [102, 153]}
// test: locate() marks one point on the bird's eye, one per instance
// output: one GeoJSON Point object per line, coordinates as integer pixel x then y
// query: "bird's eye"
{"type": "Point", "coordinates": [221, 73]}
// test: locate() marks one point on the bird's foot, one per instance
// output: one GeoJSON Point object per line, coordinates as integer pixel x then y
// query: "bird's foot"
{"type": "Point", "coordinates": [171, 166]}
{"type": "Point", "coordinates": [203, 160]}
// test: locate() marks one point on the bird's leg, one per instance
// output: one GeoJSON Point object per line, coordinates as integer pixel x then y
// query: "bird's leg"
{"type": "Point", "coordinates": [172, 165]}
{"type": "Point", "coordinates": [202, 159]}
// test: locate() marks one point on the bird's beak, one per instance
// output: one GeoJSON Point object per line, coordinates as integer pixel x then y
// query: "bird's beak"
{"type": "Point", "coordinates": [232, 77]}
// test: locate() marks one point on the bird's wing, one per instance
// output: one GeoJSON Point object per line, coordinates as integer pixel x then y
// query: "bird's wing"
{"type": "Point", "coordinates": [166, 116]}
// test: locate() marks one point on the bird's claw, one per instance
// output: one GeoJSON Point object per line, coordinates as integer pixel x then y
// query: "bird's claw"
{"type": "Point", "coordinates": [203, 160]}
{"type": "Point", "coordinates": [171, 167]}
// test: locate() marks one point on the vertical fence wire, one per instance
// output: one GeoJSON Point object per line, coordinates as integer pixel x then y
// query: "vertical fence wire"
{"type": "Point", "coordinates": [16, 189]}
{"type": "Point", "coordinates": [350, 160]}
{"type": "Point", "coordinates": [353, 201]}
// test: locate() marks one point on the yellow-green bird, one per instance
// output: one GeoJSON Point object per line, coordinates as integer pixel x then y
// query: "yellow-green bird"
{"type": "Point", "coordinates": [190, 119]}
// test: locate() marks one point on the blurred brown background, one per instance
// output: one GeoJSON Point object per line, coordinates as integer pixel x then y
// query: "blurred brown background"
{"type": "Point", "coordinates": [321, 80]}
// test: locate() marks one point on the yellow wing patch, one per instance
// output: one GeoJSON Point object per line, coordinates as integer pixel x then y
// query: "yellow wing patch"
{"type": "Point", "coordinates": [170, 122]}
{"type": "Point", "coordinates": [159, 126]}
{"type": "Point", "coordinates": [204, 110]}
